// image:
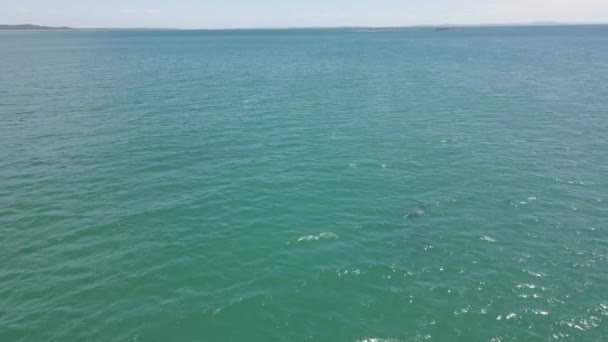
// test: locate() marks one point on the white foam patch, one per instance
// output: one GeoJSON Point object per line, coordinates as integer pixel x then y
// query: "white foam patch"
{"type": "Point", "coordinates": [571, 182]}
{"type": "Point", "coordinates": [536, 274]}
{"type": "Point", "coordinates": [488, 238]}
{"type": "Point", "coordinates": [356, 272]}
{"type": "Point", "coordinates": [541, 312]}
{"type": "Point", "coordinates": [322, 236]}
{"type": "Point", "coordinates": [583, 324]}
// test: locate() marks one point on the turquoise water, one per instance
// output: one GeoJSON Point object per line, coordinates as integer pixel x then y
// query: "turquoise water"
{"type": "Point", "coordinates": [313, 185]}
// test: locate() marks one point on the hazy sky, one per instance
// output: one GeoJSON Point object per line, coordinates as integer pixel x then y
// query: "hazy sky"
{"type": "Point", "coordinates": [285, 13]}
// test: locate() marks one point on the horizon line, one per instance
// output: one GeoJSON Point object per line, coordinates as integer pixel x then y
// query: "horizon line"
{"type": "Point", "coordinates": [451, 25]}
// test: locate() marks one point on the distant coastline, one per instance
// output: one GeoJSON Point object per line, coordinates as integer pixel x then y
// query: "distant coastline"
{"type": "Point", "coordinates": [30, 27]}
{"type": "Point", "coordinates": [442, 27]}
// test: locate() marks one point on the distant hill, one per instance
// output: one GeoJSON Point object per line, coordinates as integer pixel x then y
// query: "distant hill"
{"type": "Point", "coordinates": [29, 27]}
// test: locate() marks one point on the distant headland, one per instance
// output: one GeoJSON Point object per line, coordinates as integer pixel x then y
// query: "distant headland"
{"type": "Point", "coordinates": [30, 27]}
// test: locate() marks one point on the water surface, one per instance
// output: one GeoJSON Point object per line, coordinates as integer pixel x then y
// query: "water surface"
{"type": "Point", "coordinates": [304, 185]}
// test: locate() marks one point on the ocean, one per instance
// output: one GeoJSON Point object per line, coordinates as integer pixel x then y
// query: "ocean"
{"type": "Point", "coordinates": [304, 185]}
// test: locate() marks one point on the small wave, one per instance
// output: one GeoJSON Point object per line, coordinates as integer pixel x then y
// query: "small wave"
{"type": "Point", "coordinates": [415, 212]}
{"type": "Point", "coordinates": [353, 165]}
{"type": "Point", "coordinates": [530, 287]}
{"type": "Point", "coordinates": [488, 238]}
{"type": "Point", "coordinates": [461, 311]}
{"type": "Point", "coordinates": [540, 312]}
{"type": "Point", "coordinates": [508, 317]}
{"type": "Point", "coordinates": [356, 272]}
{"type": "Point", "coordinates": [570, 182]}
{"type": "Point", "coordinates": [379, 340]}
{"type": "Point", "coordinates": [527, 296]}
{"type": "Point", "coordinates": [524, 202]}
{"type": "Point", "coordinates": [322, 236]}
{"type": "Point", "coordinates": [582, 324]}
{"type": "Point", "coordinates": [536, 274]}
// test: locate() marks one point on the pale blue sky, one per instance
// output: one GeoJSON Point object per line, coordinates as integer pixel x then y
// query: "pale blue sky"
{"type": "Point", "coordinates": [290, 13]}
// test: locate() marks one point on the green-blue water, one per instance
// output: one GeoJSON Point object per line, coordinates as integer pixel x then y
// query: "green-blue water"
{"type": "Point", "coordinates": [313, 185]}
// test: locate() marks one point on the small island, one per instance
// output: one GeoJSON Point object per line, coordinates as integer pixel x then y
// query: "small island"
{"type": "Point", "coordinates": [447, 29]}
